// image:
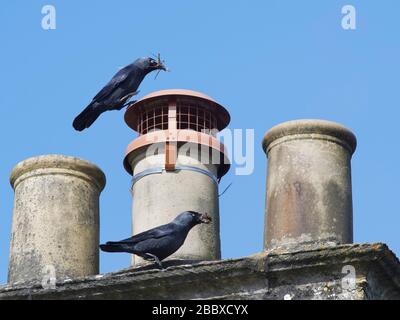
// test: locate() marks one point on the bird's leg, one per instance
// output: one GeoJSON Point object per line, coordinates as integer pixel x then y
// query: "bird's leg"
{"type": "Point", "coordinates": [126, 98]}
{"type": "Point", "coordinates": [128, 104]}
{"type": "Point", "coordinates": [156, 260]}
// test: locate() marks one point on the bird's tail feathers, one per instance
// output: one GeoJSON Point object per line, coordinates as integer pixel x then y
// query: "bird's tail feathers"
{"type": "Point", "coordinates": [86, 118]}
{"type": "Point", "coordinates": [113, 247]}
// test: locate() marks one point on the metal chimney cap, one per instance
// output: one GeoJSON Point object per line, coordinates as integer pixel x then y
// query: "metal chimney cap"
{"type": "Point", "coordinates": [131, 114]}
{"type": "Point", "coordinates": [176, 92]}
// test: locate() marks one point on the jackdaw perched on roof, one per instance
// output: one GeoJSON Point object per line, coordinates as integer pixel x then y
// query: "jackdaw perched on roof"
{"type": "Point", "coordinates": [118, 91]}
{"type": "Point", "coordinates": [158, 243]}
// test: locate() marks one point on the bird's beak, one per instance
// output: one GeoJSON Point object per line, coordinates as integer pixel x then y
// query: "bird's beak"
{"type": "Point", "coordinates": [160, 64]}
{"type": "Point", "coordinates": [205, 218]}
{"type": "Point", "coordinates": [162, 67]}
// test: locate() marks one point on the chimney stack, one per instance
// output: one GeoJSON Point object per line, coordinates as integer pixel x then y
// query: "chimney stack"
{"type": "Point", "coordinates": [309, 195]}
{"type": "Point", "coordinates": [55, 219]}
{"type": "Point", "coordinates": [176, 163]}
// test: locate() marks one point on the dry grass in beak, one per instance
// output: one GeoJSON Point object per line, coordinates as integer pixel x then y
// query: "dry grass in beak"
{"type": "Point", "coordinates": [205, 218]}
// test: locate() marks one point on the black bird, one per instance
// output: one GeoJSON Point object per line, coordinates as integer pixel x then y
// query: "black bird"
{"type": "Point", "coordinates": [158, 243]}
{"type": "Point", "coordinates": [118, 91]}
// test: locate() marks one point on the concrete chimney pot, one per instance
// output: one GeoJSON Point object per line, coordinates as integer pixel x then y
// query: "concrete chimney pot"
{"type": "Point", "coordinates": [162, 196]}
{"type": "Point", "coordinates": [173, 180]}
{"type": "Point", "coordinates": [309, 193]}
{"type": "Point", "coordinates": [55, 218]}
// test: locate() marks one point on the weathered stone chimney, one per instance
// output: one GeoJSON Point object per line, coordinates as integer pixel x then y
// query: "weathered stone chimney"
{"type": "Point", "coordinates": [176, 163]}
{"type": "Point", "coordinates": [309, 195]}
{"type": "Point", "coordinates": [56, 219]}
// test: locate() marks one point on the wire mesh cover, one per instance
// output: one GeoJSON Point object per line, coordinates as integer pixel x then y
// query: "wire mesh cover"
{"type": "Point", "coordinates": [154, 118]}
{"type": "Point", "coordinates": [188, 117]}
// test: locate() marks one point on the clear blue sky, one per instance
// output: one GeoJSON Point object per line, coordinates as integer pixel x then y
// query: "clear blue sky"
{"type": "Point", "coordinates": [266, 61]}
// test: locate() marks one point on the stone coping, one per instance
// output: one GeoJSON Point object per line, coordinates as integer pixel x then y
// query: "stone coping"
{"type": "Point", "coordinates": [260, 276]}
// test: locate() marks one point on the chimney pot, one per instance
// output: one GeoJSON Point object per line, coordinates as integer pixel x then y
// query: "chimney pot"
{"type": "Point", "coordinates": [309, 194]}
{"type": "Point", "coordinates": [175, 178]}
{"type": "Point", "coordinates": [55, 218]}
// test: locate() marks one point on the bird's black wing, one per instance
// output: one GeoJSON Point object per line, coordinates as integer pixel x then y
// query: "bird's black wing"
{"type": "Point", "coordinates": [155, 233]}
{"type": "Point", "coordinates": [116, 81]}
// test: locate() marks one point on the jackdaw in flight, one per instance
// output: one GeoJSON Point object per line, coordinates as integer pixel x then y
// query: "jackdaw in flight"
{"type": "Point", "coordinates": [118, 91]}
{"type": "Point", "coordinates": [158, 243]}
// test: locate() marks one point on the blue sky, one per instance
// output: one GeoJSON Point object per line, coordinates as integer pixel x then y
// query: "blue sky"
{"type": "Point", "coordinates": [266, 61]}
